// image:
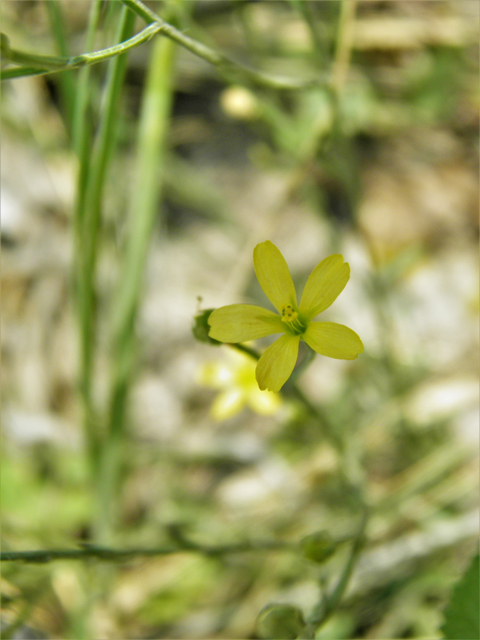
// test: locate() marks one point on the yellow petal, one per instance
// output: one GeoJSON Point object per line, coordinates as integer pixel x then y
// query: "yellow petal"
{"type": "Point", "coordinates": [333, 340]}
{"type": "Point", "coordinates": [277, 362]}
{"type": "Point", "coordinates": [242, 322]}
{"type": "Point", "coordinates": [227, 404]}
{"type": "Point", "coordinates": [274, 276]}
{"type": "Point", "coordinates": [324, 284]}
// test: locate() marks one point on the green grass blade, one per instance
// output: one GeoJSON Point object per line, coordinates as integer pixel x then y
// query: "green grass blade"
{"type": "Point", "coordinates": [91, 182]}
{"type": "Point", "coordinates": [153, 128]}
{"type": "Point", "coordinates": [66, 80]}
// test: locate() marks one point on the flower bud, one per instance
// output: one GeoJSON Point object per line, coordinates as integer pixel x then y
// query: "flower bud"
{"type": "Point", "coordinates": [318, 546]}
{"type": "Point", "coordinates": [280, 622]}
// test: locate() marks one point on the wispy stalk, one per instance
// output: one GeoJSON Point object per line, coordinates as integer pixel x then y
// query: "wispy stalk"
{"type": "Point", "coordinates": [353, 476]}
{"type": "Point", "coordinates": [344, 44]}
{"type": "Point", "coordinates": [81, 143]}
{"type": "Point", "coordinates": [226, 66]}
{"type": "Point", "coordinates": [67, 82]}
{"type": "Point", "coordinates": [33, 64]}
{"type": "Point", "coordinates": [181, 545]}
{"type": "Point", "coordinates": [152, 141]}
{"type": "Point", "coordinates": [91, 182]}
{"type": "Point", "coordinates": [51, 64]}
{"type": "Point", "coordinates": [41, 556]}
{"type": "Point", "coordinates": [328, 603]}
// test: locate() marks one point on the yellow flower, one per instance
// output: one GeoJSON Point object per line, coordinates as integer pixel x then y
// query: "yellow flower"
{"type": "Point", "coordinates": [242, 322]}
{"type": "Point", "coordinates": [236, 379]}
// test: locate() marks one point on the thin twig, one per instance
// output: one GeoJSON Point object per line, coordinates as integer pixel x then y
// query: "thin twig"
{"type": "Point", "coordinates": [108, 554]}
{"type": "Point", "coordinates": [151, 158]}
{"type": "Point", "coordinates": [328, 603]}
{"type": "Point", "coordinates": [52, 64]}
{"type": "Point", "coordinates": [88, 221]}
{"type": "Point", "coordinates": [231, 69]}
{"type": "Point", "coordinates": [226, 66]}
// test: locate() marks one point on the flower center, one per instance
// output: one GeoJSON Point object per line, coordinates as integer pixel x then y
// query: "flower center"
{"type": "Point", "coordinates": [291, 319]}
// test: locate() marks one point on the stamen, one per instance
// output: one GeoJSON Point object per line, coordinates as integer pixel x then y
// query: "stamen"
{"type": "Point", "coordinates": [290, 317]}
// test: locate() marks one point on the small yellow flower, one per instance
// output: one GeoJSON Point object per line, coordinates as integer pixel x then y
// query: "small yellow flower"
{"type": "Point", "coordinates": [242, 322]}
{"type": "Point", "coordinates": [236, 378]}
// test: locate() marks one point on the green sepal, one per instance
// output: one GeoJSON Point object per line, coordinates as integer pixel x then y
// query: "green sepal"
{"type": "Point", "coordinates": [201, 327]}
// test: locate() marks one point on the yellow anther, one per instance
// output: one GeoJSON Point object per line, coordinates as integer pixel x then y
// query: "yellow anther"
{"type": "Point", "coordinates": [288, 313]}
{"type": "Point", "coordinates": [290, 317]}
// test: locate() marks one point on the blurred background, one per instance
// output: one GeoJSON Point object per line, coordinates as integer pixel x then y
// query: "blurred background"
{"type": "Point", "coordinates": [377, 161]}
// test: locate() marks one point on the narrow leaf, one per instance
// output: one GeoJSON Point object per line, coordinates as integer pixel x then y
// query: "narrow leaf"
{"type": "Point", "coordinates": [462, 620]}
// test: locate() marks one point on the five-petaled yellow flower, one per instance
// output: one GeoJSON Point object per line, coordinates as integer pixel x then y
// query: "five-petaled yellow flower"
{"type": "Point", "coordinates": [242, 322]}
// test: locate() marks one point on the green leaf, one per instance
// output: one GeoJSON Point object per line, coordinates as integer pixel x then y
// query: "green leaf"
{"type": "Point", "coordinates": [462, 618]}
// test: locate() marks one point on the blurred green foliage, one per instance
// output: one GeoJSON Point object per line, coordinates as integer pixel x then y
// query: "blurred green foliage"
{"type": "Point", "coordinates": [397, 141]}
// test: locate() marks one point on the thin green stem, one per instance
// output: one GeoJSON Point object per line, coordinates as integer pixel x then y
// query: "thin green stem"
{"type": "Point", "coordinates": [344, 45]}
{"type": "Point", "coordinates": [153, 129]}
{"type": "Point", "coordinates": [329, 603]}
{"type": "Point", "coordinates": [21, 72]}
{"type": "Point", "coordinates": [67, 82]}
{"type": "Point", "coordinates": [182, 545]}
{"type": "Point", "coordinates": [81, 143]}
{"type": "Point", "coordinates": [51, 64]}
{"type": "Point", "coordinates": [352, 473]}
{"type": "Point", "coordinates": [238, 346]}
{"type": "Point", "coordinates": [232, 70]}
{"type": "Point", "coordinates": [81, 129]}
{"type": "Point", "coordinates": [89, 228]}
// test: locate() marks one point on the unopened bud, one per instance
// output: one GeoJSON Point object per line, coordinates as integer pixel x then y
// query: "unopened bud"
{"type": "Point", "coordinates": [318, 546]}
{"type": "Point", "coordinates": [280, 622]}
